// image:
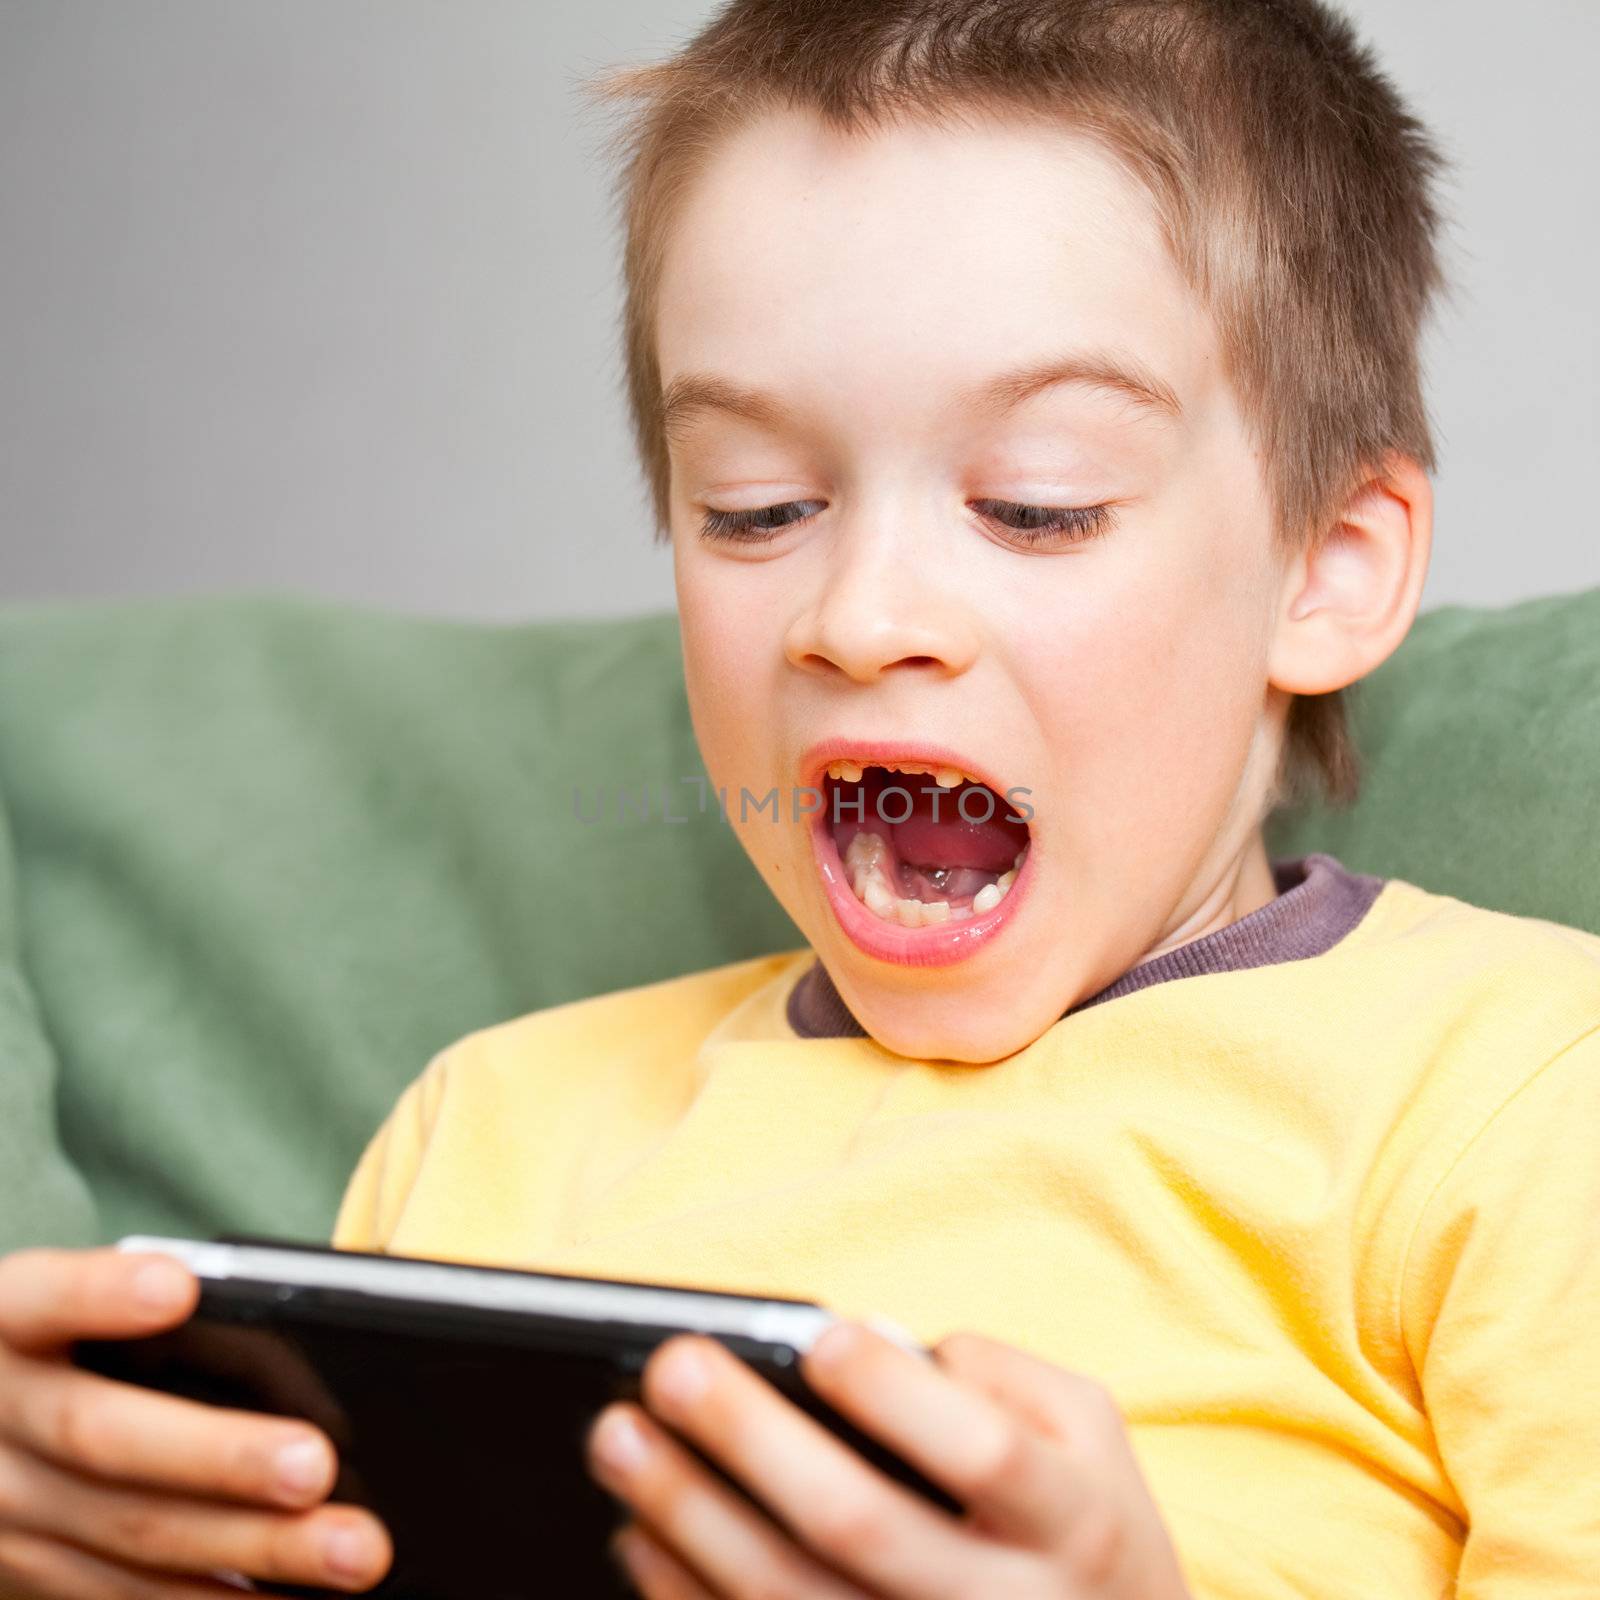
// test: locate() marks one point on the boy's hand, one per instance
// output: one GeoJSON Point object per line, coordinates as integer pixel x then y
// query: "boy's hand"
{"type": "Point", "coordinates": [111, 1490]}
{"type": "Point", "coordinates": [1055, 1503]}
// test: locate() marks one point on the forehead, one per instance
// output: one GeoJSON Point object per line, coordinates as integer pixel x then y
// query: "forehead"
{"type": "Point", "coordinates": [917, 259]}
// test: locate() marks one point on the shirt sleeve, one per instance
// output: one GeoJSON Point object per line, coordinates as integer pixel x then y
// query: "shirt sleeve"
{"type": "Point", "coordinates": [1501, 1313]}
{"type": "Point", "coordinates": [378, 1189]}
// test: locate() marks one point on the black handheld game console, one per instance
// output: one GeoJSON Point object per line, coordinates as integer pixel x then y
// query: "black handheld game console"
{"type": "Point", "coordinates": [457, 1396]}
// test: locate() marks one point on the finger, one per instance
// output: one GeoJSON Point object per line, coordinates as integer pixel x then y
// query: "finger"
{"type": "Point", "coordinates": [49, 1298]}
{"type": "Point", "coordinates": [859, 1521]}
{"type": "Point", "coordinates": [1017, 1485]}
{"type": "Point", "coordinates": [1093, 1437]}
{"type": "Point", "coordinates": [706, 1525]}
{"type": "Point", "coordinates": [137, 1436]}
{"type": "Point", "coordinates": [653, 1569]}
{"type": "Point", "coordinates": [1062, 1405]}
{"type": "Point", "coordinates": [338, 1547]}
{"type": "Point", "coordinates": [45, 1567]}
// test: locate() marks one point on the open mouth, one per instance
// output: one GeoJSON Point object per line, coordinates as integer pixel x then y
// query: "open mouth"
{"type": "Point", "coordinates": [922, 845]}
{"type": "Point", "coordinates": [917, 845]}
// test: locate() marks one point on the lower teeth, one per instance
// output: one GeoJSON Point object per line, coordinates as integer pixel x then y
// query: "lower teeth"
{"type": "Point", "coordinates": [866, 861]}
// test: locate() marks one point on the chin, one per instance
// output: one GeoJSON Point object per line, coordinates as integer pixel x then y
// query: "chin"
{"type": "Point", "coordinates": [974, 1028]}
{"type": "Point", "coordinates": [926, 884]}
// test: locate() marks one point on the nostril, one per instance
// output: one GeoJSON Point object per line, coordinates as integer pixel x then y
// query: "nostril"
{"type": "Point", "coordinates": [812, 661]}
{"type": "Point", "coordinates": [816, 661]}
{"type": "Point", "coordinates": [865, 670]}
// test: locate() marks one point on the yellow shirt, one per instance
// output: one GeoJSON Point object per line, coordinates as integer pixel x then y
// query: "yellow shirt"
{"type": "Point", "coordinates": [1329, 1230]}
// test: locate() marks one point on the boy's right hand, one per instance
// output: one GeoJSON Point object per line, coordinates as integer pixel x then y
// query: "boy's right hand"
{"type": "Point", "coordinates": [107, 1489]}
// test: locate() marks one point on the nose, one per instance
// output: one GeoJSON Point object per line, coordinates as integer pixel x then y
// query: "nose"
{"type": "Point", "coordinates": [878, 606]}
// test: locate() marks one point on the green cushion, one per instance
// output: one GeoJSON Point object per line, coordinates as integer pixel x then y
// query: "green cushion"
{"type": "Point", "coordinates": [269, 855]}
{"type": "Point", "coordinates": [274, 854]}
{"type": "Point", "coordinates": [42, 1195]}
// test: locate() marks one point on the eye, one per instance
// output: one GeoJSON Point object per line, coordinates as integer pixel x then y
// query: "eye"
{"type": "Point", "coordinates": [1025, 525]}
{"type": "Point", "coordinates": [756, 526]}
{"type": "Point", "coordinates": [1046, 525]}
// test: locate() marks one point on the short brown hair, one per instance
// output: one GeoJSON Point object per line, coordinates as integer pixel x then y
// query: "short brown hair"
{"type": "Point", "coordinates": [1295, 190]}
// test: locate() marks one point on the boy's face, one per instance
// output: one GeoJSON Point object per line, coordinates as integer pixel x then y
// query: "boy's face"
{"type": "Point", "coordinates": [907, 608]}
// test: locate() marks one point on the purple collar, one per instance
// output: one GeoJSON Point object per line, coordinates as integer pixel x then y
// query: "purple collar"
{"type": "Point", "coordinates": [1318, 903]}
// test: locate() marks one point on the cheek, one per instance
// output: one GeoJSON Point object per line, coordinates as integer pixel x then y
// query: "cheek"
{"type": "Point", "coordinates": [728, 651]}
{"type": "Point", "coordinates": [1148, 685]}
{"type": "Point", "coordinates": [732, 664]}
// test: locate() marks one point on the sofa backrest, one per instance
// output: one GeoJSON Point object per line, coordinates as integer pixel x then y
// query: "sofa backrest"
{"type": "Point", "coordinates": [272, 855]}
{"type": "Point", "coordinates": [267, 856]}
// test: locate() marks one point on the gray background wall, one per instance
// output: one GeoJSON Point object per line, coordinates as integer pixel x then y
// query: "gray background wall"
{"type": "Point", "coordinates": [320, 295]}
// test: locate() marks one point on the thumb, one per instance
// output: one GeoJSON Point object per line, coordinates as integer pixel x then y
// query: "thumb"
{"type": "Point", "coordinates": [1062, 1405]}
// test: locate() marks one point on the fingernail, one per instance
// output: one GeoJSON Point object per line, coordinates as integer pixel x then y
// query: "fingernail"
{"type": "Point", "coordinates": [634, 1558]}
{"type": "Point", "coordinates": [835, 1343]}
{"type": "Point", "coordinates": [347, 1552]}
{"type": "Point", "coordinates": [683, 1377]}
{"type": "Point", "coordinates": [302, 1467]}
{"type": "Point", "coordinates": [161, 1285]}
{"type": "Point", "coordinates": [619, 1444]}
{"type": "Point", "coordinates": [894, 1333]}
{"type": "Point", "coordinates": [620, 1548]}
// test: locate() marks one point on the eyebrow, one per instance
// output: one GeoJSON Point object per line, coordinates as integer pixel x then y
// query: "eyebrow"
{"type": "Point", "coordinates": [691, 393]}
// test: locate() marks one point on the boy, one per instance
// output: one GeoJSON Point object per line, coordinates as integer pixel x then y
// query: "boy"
{"type": "Point", "coordinates": [1030, 394]}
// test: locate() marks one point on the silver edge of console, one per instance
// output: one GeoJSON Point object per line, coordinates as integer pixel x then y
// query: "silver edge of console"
{"type": "Point", "coordinates": [404, 1279]}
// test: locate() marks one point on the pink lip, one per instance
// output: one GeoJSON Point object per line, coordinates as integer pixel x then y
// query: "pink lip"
{"type": "Point", "coordinates": [938, 946]}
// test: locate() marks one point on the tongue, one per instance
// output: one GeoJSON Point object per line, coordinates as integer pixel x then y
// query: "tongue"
{"type": "Point", "coordinates": [953, 841]}
{"type": "Point", "coordinates": [956, 884]}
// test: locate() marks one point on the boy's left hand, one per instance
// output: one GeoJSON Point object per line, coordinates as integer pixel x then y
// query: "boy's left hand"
{"type": "Point", "coordinates": [1056, 1506]}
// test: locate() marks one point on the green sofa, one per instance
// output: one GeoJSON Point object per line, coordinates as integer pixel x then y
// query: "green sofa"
{"type": "Point", "coordinates": [261, 857]}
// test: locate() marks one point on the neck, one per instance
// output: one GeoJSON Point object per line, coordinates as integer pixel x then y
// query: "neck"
{"type": "Point", "coordinates": [1239, 885]}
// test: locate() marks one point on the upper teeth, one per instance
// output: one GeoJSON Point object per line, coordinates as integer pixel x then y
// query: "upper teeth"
{"type": "Point", "coordinates": [945, 777]}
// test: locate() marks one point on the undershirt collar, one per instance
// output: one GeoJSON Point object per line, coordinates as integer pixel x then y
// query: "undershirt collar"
{"type": "Point", "coordinates": [1318, 902]}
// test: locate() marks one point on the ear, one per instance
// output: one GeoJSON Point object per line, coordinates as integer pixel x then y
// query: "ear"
{"type": "Point", "coordinates": [1346, 605]}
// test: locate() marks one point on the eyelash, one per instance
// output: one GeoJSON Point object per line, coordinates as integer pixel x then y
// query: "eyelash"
{"type": "Point", "coordinates": [1074, 524]}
